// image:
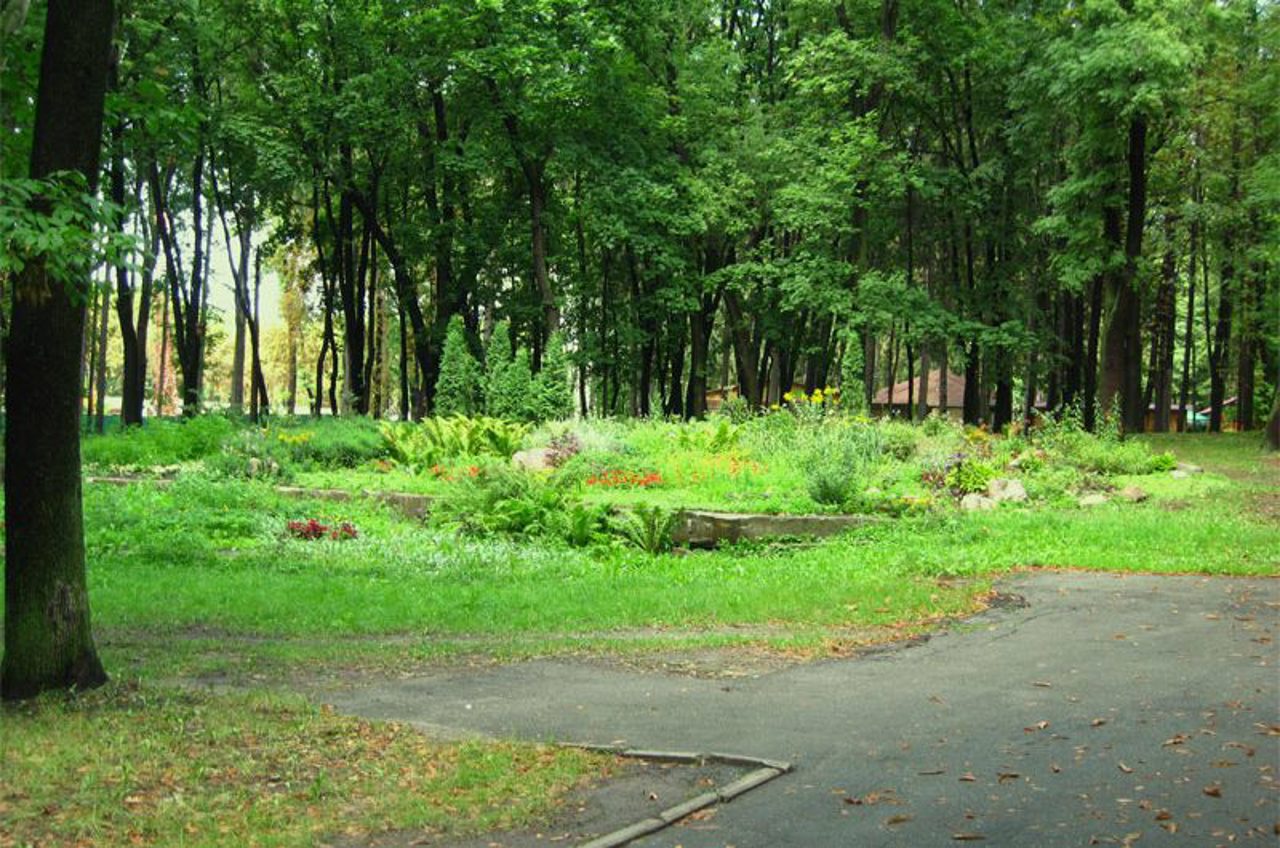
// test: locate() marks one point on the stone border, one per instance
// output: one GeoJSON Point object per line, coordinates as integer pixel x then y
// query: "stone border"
{"type": "Point", "coordinates": [765, 771]}
{"type": "Point", "coordinates": [704, 528]}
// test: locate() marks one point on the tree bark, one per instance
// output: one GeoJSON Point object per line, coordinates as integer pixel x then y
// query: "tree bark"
{"type": "Point", "coordinates": [48, 640]}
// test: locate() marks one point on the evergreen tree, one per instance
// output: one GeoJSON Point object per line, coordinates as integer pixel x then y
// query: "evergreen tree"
{"type": "Point", "coordinates": [507, 379]}
{"type": "Point", "coordinates": [552, 394]}
{"type": "Point", "coordinates": [458, 389]}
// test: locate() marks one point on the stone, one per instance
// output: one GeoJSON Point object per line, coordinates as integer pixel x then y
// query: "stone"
{"type": "Point", "coordinates": [973, 501]}
{"type": "Point", "coordinates": [1179, 474]}
{"type": "Point", "coordinates": [534, 459]}
{"type": "Point", "coordinates": [704, 528]}
{"type": "Point", "coordinates": [1006, 489]}
{"type": "Point", "coordinates": [1133, 494]}
{"type": "Point", "coordinates": [1189, 468]}
{"type": "Point", "coordinates": [1092, 499]}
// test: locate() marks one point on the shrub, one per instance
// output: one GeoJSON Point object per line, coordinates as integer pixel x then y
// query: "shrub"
{"type": "Point", "coordinates": [649, 528]}
{"type": "Point", "coordinates": [736, 410]}
{"type": "Point", "coordinates": [898, 440]}
{"type": "Point", "coordinates": [836, 459]}
{"type": "Point", "coordinates": [503, 500]}
{"type": "Point", "coordinates": [970, 476]}
{"type": "Point", "coordinates": [159, 442]}
{"type": "Point", "coordinates": [458, 388]}
{"type": "Point", "coordinates": [563, 447]}
{"type": "Point", "coordinates": [552, 395]}
{"type": "Point", "coordinates": [251, 455]}
{"type": "Point", "coordinates": [507, 378]}
{"type": "Point", "coordinates": [585, 525]}
{"type": "Point", "coordinates": [422, 445]}
{"type": "Point", "coordinates": [332, 442]}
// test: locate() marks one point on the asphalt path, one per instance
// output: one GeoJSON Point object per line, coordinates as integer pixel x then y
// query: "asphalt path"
{"type": "Point", "coordinates": [1097, 709]}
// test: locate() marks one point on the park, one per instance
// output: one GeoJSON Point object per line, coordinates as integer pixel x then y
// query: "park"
{"type": "Point", "coordinates": [675, 423]}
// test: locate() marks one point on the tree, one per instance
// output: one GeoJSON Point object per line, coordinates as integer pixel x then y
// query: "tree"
{"type": "Point", "coordinates": [48, 641]}
{"type": "Point", "coordinates": [458, 390]}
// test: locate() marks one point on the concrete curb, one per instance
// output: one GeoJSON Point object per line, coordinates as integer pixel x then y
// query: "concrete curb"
{"type": "Point", "coordinates": [765, 771]}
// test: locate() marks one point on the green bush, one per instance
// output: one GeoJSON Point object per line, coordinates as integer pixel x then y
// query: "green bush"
{"type": "Point", "coordinates": [837, 456]}
{"type": "Point", "coordinates": [432, 441]}
{"type": "Point", "coordinates": [331, 442]}
{"type": "Point", "coordinates": [504, 500]}
{"type": "Point", "coordinates": [251, 455]}
{"type": "Point", "coordinates": [649, 528]}
{"type": "Point", "coordinates": [159, 442]}
{"type": "Point", "coordinates": [458, 387]}
{"type": "Point", "coordinates": [970, 476]}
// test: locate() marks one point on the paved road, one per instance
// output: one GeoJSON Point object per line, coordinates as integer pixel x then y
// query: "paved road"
{"type": "Point", "coordinates": [1108, 710]}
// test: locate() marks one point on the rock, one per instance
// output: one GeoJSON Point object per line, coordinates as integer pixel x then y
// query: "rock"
{"type": "Point", "coordinates": [973, 501]}
{"type": "Point", "coordinates": [701, 528]}
{"type": "Point", "coordinates": [1093, 499]}
{"type": "Point", "coordinates": [534, 459]}
{"type": "Point", "coordinates": [1133, 494]}
{"type": "Point", "coordinates": [1005, 489]}
{"type": "Point", "coordinates": [1189, 468]}
{"type": "Point", "coordinates": [1179, 474]}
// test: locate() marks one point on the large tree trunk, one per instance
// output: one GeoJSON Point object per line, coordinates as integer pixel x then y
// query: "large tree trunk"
{"type": "Point", "coordinates": [48, 641]}
{"type": "Point", "coordinates": [1122, 346]}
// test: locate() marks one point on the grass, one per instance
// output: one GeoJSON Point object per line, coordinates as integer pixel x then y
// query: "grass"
{"type": "Point", "coordinates": [131, 765]}
{"type": "Point", "coordinates": [203, 578]}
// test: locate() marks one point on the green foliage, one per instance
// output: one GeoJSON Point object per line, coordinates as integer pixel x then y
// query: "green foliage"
{"type": "Point", "coordinates": [434, 441]}
{"type": "Point", "coordinates": [508, 501]}
{"type": "Point", "coordinates": [508, 378]}
{"type": "Point", "coordinates": [969, 476]}
{"type": "Point", "coordinates": [330, 442]}
{"type": "Point", "coordinates": [251, 454]}
{"type": "Point", "coordinates": [458, 388]}
{"type": "Point", "coordinates": [55, 222]}
{"type": "Point", "coordinates": [159, 442]}
{"type": "Point", "coordinates": [552, 396]}
{"type": "Point", "coordinates": [649, 528]}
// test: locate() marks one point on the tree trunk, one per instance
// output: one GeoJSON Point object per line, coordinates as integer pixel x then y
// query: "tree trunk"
{"type": "Point", "coordinates": [104, 328]}
{"type": "Point", "coordinates": [1188, 333]}
{"type": "Point", "coordinates": [48, 642]}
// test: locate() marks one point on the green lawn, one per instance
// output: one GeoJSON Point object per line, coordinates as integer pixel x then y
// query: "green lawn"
{"type": "Point", "coordinates": [203, 577]}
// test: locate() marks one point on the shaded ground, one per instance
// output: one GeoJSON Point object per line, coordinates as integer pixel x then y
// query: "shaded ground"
{"type": "Point", "coordinates": [1106, 710]}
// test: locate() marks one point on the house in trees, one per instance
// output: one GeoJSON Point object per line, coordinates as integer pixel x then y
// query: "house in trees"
{"type": "Point", "coordinates": [896, 400]}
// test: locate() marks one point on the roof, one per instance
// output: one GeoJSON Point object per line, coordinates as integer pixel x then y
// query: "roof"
{"type": "Point", "coordinates": [955, 391]}
{"type": "Point", "coordinates": [1209, 409]}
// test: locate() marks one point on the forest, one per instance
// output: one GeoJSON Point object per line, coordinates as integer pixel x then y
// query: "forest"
{"type": "Point", "coordinates": [1069, 204]}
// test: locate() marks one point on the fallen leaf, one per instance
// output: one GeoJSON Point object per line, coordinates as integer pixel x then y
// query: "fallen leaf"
{"type": "Point", "coordinates": [1177, 739]}
{"type": "Point", "coordinates": [967, 777]}
{"type": "Point", "coordinates": [1130, 838]}
{"type": "Point", "coordinates": [1214, 791]}
{"type": "Point", "coordinates": [1039, 725]}
{"type": "Point", "coordinates": [1267, 729]}
{"type": "Point", "coordinates": [1172, 827]}
{"type": "Point", "coordinates": [1163, 815]}
{"type": "Point", "coordinates": [933, 771]}
{"type": "Point", "coordinates": [1006, 776]}
{"type": "Point", "coordinates": [1124, 768]}
{"type": "Point", "coordinates": [1043, 684]}
{"type": "Point", "coordinates": [967, 837]}
{"type": "Point", "coordinates": [1098, 722]}
{"type": "Point", "coordinates": [1055, 768]}
{"type": "Point", "coordinates": [898, 819]}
